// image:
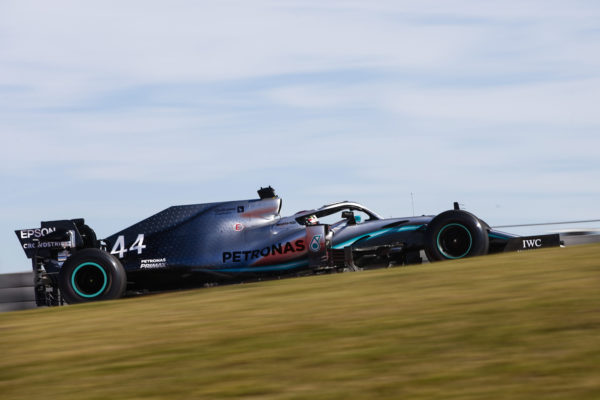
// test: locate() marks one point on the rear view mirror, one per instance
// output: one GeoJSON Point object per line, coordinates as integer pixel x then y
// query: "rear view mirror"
{"type": "Point", "coordinates": [349, 215]}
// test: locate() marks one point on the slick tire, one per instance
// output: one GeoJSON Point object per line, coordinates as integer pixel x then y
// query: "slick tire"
{"type": "Point", "coordinates": [456, 234]}
{"type": "Point", "coordinates": [91, 275]}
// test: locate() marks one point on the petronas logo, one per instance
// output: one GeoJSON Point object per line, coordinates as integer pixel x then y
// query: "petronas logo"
{"type": "Point", "coordinates": [315, 244]}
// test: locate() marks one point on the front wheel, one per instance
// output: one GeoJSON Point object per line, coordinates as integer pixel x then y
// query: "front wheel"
{"type": "Point", "coordinates": [455, 234]}
{"type": "Point", "coordinates": [91, 275]}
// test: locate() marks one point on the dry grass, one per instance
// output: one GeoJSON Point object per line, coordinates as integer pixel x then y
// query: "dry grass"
{"type": "Point", "coordinates": [514, 326]}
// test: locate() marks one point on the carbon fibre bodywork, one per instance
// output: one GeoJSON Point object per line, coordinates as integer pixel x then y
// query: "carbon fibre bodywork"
{"type": "Point", "coordinates": [239, 240]}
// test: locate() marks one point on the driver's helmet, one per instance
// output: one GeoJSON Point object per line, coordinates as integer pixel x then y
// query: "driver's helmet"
{"type": "Point", "coordinates": [312, 220]}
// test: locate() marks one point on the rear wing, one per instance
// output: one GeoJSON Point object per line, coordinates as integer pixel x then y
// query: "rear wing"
{"type": "Point", "coordinates": [52, 235]}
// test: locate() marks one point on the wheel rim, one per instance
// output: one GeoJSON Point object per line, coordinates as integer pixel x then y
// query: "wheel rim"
{"type": "Point", "coordinates": [454, 241]}
{"type": "Point", "coordinates": [89, 280]}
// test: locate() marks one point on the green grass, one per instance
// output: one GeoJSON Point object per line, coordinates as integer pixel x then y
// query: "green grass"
{"type": "Point", "coordinates": [512, 326]}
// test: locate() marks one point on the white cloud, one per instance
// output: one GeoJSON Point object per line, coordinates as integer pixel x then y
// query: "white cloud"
{"type": "Point", "coordinates": [78, 42]}
{"type": "Point", "coordinates": [546, 103]}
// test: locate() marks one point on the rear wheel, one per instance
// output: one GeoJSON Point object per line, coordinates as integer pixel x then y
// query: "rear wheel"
{"type": "Point", "coordinates": [91, 275]}
{"type": "Point", "coordinates": [455, 234]}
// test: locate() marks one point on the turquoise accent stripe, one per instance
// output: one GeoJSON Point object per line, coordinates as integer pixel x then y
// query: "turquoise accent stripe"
{"type": "Point", "coordinates": [77, 289]}
{"type": "Point", "coordinates": [498, 237]}
{"type": "Point", "coordinates": [444, 253]}
{"type": "Point", "coordinates": [404, 228]}
{"type": "Point", "coordinates": [408, 228]}
{"type": "Point", "coordinates": [278, 267]}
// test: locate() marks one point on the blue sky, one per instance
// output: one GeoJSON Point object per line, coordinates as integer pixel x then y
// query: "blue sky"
{"type": "Point", "coordinates": [115, 110]}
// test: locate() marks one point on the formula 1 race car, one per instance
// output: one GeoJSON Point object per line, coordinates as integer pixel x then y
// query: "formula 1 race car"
{"type": "Point", "coordinates": [236, 241]}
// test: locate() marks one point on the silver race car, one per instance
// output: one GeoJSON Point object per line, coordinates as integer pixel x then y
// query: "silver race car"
{"type": "Point", "coordinates": [234, 241]}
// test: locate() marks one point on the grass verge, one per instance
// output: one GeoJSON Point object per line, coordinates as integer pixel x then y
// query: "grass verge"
{"type": "Point", "coordinates": [515, 326]}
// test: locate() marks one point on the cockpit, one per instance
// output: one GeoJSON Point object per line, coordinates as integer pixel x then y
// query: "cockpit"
{"type": "Point", "coordinates": [337, 215]}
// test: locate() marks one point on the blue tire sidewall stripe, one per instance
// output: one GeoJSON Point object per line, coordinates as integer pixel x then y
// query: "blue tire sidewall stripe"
{"type": "Point", "coordinates": [74, 285]}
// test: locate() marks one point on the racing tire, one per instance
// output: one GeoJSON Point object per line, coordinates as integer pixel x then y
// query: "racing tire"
{"type": "Point", "coordinates": [92, 275]}
{"type": "Point", "coordinates": [455, 234]}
